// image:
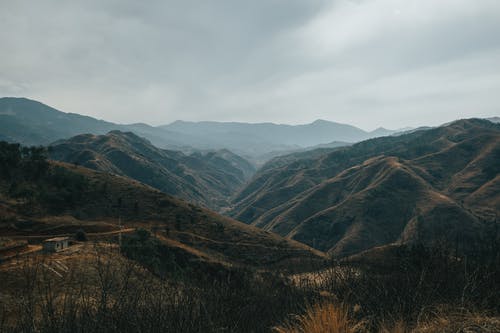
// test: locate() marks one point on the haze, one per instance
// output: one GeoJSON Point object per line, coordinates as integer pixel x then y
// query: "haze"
{"type": "Point", "coordinates": [367, 63]}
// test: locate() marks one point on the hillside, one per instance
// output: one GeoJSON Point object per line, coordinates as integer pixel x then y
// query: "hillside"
{"type": "Point", "coordinates": [436, 184]}
{"type": "Point", "coordinates": [207, 178]}
{"type": "Point", "coordinates": [39, 198]}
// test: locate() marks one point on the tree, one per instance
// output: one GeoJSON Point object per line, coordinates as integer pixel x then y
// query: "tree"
{"type": "Point", "coordinates": [81, 236]}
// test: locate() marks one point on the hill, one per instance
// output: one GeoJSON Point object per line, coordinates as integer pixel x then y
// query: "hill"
{"type": "Point", "coordinates": [441, 183]}
{"type": "Point", "coordinates": [207, 178]}
{"type": "Point", "coordinates": [40, 198]}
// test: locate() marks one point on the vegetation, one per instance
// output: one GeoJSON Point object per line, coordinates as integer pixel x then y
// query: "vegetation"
{"type": "Point", "coordinates": [323, 318]}
{"type": "Point", "coordinates": [107, 293]}
{"type": "Point", "coordinates": [421, 289]}
{"type": "Point", "coordinates": [81, 235]}
{"type": "Point", "coordinates": [144, 248]}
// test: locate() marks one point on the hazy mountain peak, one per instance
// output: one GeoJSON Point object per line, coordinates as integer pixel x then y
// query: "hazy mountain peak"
{"type": "Point", "coordinates": [321, 121]}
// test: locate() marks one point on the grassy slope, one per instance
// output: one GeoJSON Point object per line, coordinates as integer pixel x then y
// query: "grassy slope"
{"type": "Point", "coordinates": [424, 185]}
{"type": "Point", "coordinates": [208, 179]}
{"type": "Point", "coordinates": [104, 198]}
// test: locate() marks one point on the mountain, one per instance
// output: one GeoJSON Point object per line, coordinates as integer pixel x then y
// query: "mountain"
{"type": "Point", "coordinates": [384, 132]}
{"type": "Point", "coordinates": [40, 199]}
{"type": "Point", "coordinates": [320, 131]}
{"type": "Point", "coordinates": [441, 183]}
{"type": "Point", "coordinates": [208, 178]}
{"type": "Point", "coordinates": [286, 155]}
{"type": "Point", "coordinates": [32, 123]}
{"type": "Point", "coordinates": [260, 140]}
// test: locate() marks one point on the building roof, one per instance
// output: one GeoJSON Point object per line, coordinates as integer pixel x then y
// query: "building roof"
{"type": "Point", "coordinates": [56, 239]}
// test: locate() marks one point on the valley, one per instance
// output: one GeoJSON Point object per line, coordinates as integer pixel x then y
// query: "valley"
{"type": "Point", "coordinates": [250, 166]}
{"type": "Point", "coordinates": [383, 222]}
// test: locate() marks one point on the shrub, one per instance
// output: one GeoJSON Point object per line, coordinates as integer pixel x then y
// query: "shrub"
{"type": "Point", "coordinates": [81, 236]}
{"type": "Point", "coordinates": [322, 318]}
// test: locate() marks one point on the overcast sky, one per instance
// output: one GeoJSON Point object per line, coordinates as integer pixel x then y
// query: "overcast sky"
{"type": "Point", "coordinates": [390, 63]}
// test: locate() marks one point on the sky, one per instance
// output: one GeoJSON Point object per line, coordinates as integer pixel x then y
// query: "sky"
{"type": "Point", "coordinates": [370, 63]}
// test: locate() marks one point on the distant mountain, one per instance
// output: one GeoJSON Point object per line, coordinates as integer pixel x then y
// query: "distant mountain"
{"type": "Point", "coordinates": [494, 119]}
{"type": "Point", "coordinates": [32, 123]}
{"type": "Point", "coordinates": [261, 139]}
{"type": "Point", "coordinates": [383, 132]}
{"type": "Point", "coordinates": [320, 131]}
{"type": "Point", "coordinates": [205, 178]}
{"type": "Point", "coordinates": [429, 185]}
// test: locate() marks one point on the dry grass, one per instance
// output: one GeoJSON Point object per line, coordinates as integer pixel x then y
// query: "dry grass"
{"type": "Point", "coordinates": [323, 318]}
{"type": "Point", "coordinates": [397, 327]}
{"type": "Point", "coordinates": [451, 323]}
{"type": "Point", "coordinates": [330, 318]}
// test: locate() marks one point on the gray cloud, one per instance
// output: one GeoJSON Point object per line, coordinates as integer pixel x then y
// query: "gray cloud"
{"type": "Point", "coordinates": [369, 63]}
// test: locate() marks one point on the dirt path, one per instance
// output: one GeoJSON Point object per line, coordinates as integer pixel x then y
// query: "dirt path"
{"type": "Point", "coordinates": [90, 234]}
{"type": "Point", "coordinates": [20, 252]}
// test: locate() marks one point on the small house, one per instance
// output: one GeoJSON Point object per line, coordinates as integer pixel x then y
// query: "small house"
{"type": "Point", "coordinates": [56, 244]}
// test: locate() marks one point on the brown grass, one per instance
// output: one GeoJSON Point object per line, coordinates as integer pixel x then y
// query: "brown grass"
{"type": "Point", "coordinates": [323, 318]}
{"type": "Point", "coordinates": [397, 327]}
{"type": "Point", "coordinates": [453, 322]}
{"type": "Point", "coordinates": [331, 318]}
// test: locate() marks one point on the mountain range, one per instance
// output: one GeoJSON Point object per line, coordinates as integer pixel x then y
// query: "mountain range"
{"type": "Point", "coordinates": [420, 185]}
{"type": "Point", "coordinates": [33, 123]}
{"type": "Point", "coordinates": [429, 185]}
{"type": "Point", "coordinates": [260, 139]}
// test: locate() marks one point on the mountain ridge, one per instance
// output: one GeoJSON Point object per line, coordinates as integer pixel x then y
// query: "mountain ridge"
{"type": "Point", "coordinates": [207, 178]}
{"type": "Point", "coordinates": [33, 123]}
{"type": "Point", "coordinates": [314, 198]}
{"type": "Point", "coordinates": [63, 198]}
